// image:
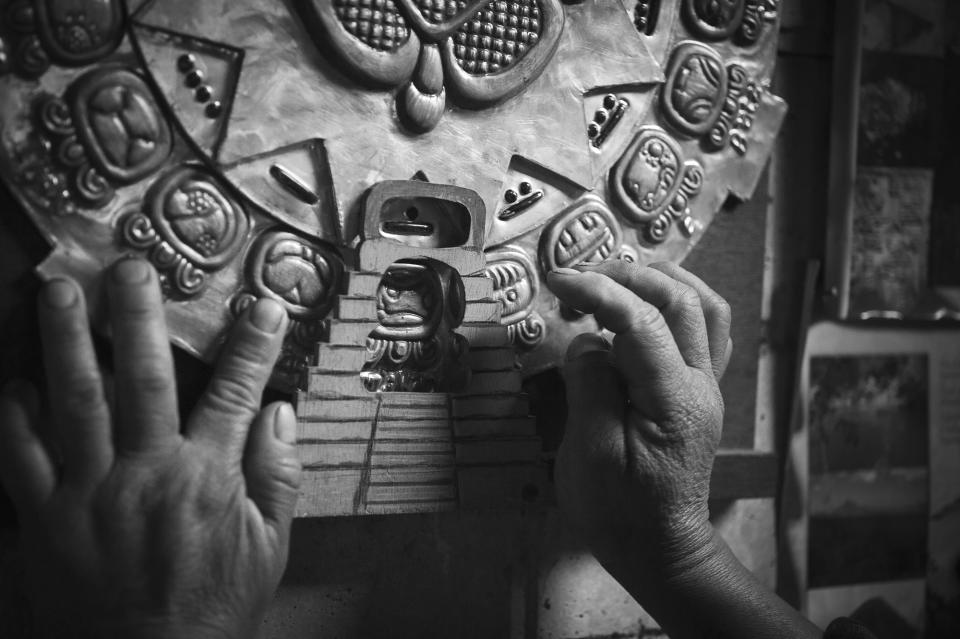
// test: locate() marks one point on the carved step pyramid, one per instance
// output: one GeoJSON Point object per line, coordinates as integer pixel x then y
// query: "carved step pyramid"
{"type": "Point", "coordinates": [382, 453]}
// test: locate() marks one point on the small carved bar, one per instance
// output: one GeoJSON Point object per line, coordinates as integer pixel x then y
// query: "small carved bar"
{"type": "Point", "coordinates": [400, 175]}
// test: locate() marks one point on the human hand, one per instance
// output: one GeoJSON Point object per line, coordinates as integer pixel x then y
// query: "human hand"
{"type": "Point", "coordinates": [644, 414]}
{"type": "Point", "coordinates": [132, 525]}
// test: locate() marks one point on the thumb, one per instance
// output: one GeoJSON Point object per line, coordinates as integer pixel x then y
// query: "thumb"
{"type": "Point", "coordinates": [596, 397]}
{"type": "Point", "coordinates": [271, 466]}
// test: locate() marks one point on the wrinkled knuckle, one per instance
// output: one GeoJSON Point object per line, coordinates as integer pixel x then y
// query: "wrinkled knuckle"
{"type": "Point", "coordinates": [286, 474]}
{"type": "Point", "coordinates": [721, 309]}
{"type": "Point", "coordinates": [249, 348]}
{"type": "Point", "coordinates": [82, 395]}
{"type": "Point", "coordinates": [137, 311]}
{"type": "Point", "coordinates": [229, 393]}
{"type": "Point", "coordinates": [151, 382]}
{"type": "Point", "coordinates": [684, 297]}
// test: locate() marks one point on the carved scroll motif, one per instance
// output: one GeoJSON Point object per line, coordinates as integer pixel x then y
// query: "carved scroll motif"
{"type": "Point", "coordinates": [743, 20]}
{"type": "Point", "coordinates": [190, 227]}
{"type": "Point", "coordinates": [653, 186]}
{"type": "Point", "coordinates": [483, 51]}
{"type": "Point", "coordinates": [108, 133]}
{"type": "Point", "coordinates": [516, 286]}
{"type": "Point", "coordinates": [701, 98]}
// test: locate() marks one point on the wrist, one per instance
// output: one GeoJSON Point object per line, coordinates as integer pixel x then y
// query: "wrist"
{"type": "Point", "coordinates": [645, 560]}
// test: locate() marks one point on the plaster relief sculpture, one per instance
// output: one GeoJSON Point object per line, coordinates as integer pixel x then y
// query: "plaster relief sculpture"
{"type": "Point", "coordinates": [197, 79]}
{"type": "Point", "coordinates": [22, 50]}
{"type": "Point", "coordinates": [516, 286]}
{"type": "Point", "coordinates": [587, 233]}
{"type": "Point", "coordinates": [743, 20]}
{"type": "Point", "coordinates": [654, 186]}
{"type": "Point", "coordinates": [263, 148]}
{"type": "Point", "coordinates": [702, 98]}
{"type": "Point", "coordinates": [414, 346]}
{"type": "Point", "coordinates": [485, 52]}
{"type": "Point", "coordinates": [190, 226]}
{"type": "Point", "coordinates": [79, 32]}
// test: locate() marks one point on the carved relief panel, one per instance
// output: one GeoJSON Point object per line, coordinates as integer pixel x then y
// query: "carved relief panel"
{"type": "Point", "coordinates": [399, 174]}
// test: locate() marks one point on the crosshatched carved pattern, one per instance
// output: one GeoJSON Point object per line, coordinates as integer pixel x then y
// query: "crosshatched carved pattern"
{"type": "Point", "coordinates": [498, 36]}
{"type": "Point", "coordinates": [437, 11]}
{"type": "Point", "coordinates": [376, 23]}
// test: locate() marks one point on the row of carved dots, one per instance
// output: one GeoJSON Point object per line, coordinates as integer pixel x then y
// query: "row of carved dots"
{"type": "Point", "coordinates": [194, 79]}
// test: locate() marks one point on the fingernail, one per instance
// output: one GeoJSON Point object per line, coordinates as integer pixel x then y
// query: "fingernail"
{"type": "Point", "coordinates": [267, 315]}
{"type": "Point", "coordinates": [131, 271]}
{"type": "Point", "coordinates": [60, 294]}
{"type": "Point", "coordinates": [565, 271]}
{"type": "Point", "coordinates": [585, 344]}
{"type": "Point", "coordinates": [285, 424]}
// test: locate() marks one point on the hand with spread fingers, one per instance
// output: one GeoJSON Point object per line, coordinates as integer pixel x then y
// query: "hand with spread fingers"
{"type": "Point", "coordinates": [133, 524]}
{"type": "Point", "coordinates": [644, 421]}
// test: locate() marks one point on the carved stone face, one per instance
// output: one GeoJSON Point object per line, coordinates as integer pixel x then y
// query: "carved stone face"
{"type": "Point", "coordinates": [409, 303]}
{"type": "Point", "coordinates": [238, 146]}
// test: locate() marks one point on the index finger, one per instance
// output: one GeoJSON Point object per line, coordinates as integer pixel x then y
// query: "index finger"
{"type": "Point", "coordinates": [224, 413]}
{"type": "Point", "coordinates": [644, 349]}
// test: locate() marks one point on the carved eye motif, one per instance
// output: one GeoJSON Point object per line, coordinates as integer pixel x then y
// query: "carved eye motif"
{"type": "Point", "coordinates": [410, 302]}
{"type": "Point", "coordinates": [79, 32]}
{"type": "Point", "coordinates": [122, 129]}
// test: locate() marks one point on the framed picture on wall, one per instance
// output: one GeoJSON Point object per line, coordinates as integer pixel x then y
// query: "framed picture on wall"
{"type": "Point", "coordinates": [871, 507]}
{"type": "Point", "coordinates": [894, 219]}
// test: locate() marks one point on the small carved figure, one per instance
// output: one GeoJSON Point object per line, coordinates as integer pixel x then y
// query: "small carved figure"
{"type": "Point", "coordinates": [414, 348]}
{"type": "Point", "coordinates": [701, 98]}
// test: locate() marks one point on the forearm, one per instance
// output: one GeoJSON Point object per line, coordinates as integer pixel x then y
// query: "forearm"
{"type": "Point", "coordinates": [710, 595]}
